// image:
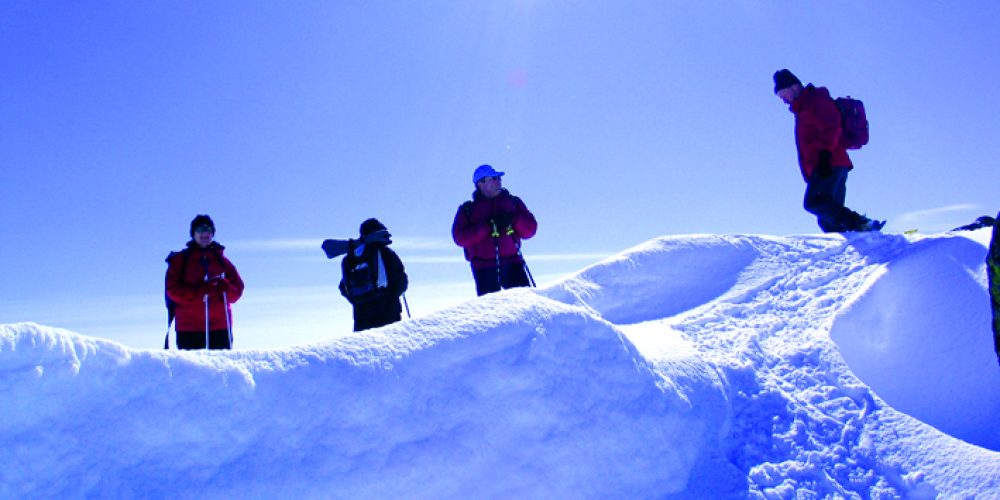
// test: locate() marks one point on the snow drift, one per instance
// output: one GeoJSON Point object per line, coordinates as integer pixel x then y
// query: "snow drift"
{"type": "Point", "coordinates": [697, 366]}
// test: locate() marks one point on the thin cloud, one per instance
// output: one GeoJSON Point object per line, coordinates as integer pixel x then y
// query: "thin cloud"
{"type": "Point", "coordinates": [278, 245]}
{"type": "Point", "coordinates": [451, 254]}
{"type": "Point", "coordinates": [284, 245]}
{"type": "Point", "coordinates": [938, 219]}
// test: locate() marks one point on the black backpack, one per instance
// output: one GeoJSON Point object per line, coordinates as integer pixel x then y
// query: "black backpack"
{"type": "Point", "coordinates": [365, 279]}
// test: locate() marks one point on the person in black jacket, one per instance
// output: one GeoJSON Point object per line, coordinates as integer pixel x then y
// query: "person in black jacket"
{"type": "Point", "coordinates": [374, 278]}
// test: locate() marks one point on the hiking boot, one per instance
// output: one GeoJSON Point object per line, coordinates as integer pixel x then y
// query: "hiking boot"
{"type": "Point", "coordinates": [870, 225]}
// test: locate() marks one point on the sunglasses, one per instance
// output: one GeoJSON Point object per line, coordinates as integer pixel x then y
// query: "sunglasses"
{"type": "Point", "coordinates": [489, 178]}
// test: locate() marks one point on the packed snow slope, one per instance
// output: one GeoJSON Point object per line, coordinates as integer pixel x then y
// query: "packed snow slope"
{"type": "Point", "coordinates": [688, 367]}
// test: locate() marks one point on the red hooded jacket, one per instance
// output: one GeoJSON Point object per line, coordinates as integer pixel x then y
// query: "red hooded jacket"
{"type": "Point", "coordinates": [817, 127]}
{"type": "Point", "coordinates": [472, 231]}
{"type": "Point", "coordinates": [188, 291]}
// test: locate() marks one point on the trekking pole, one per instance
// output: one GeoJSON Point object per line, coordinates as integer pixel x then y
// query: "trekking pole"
{"type": "Point", "coordinates": [531, 279]}
{"type": "Point", "coordinates": [166, 339]}
{"type": "Point", "coordinates": [205, 298]}
{"type": "Point", "coordinates": [204, 264]}
{"type": "Point", "coordinates": [407, 304]}
{"type": "Point", "coordinates": [225, 309]}
{"type": "Point", "coordinates": [170, 319]}
{"type": "Point", "coordinates": [229, 322]}
{"type": "Point", "coordinates": [496, 248]}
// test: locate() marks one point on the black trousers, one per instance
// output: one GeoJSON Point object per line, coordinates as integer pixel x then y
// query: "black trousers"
{"type": "Point", "coordinates": [492, 279]}
{"type": "Point", "coordinates": [825, 197]}
{"type": "Point", "coordinates": [368, 322]}
{"type": "Point", "coordinates": [217, 339]}
{"type": "Point", "coordinates": [380, 311]}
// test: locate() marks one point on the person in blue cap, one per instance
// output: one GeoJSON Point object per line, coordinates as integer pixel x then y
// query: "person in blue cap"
{"type": "Point", "coordinates": [490, 228]}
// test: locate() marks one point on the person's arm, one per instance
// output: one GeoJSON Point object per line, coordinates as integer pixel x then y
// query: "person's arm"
{"type": "Point", "coordinates": [236, 285]}
{"type": "Point", "coordinates": [829, 128]}
{"type": "Point", "coordinates": [395, 272]}
{"type": "Point", "coordinates": [177, 289]}
{"type": "Point", "coordinates": [524, 222]}
{"type": "Point", "coordinates": [464, 231]}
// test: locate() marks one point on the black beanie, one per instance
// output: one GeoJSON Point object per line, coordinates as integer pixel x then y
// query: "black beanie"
{"type": "Point", "coordinates": [784, 79]}
{"type": "Point", "coordinates": [370, 226]}
{"type": "Point", "coordinates": [202, 220]}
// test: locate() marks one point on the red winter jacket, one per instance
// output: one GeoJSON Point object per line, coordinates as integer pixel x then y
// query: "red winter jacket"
{"type": "Point", "coordinates": [188, 290]}
{"type": "Point", "coordinates": [472, 231]}
{"type": "Point", "coordinates": [817, 127]}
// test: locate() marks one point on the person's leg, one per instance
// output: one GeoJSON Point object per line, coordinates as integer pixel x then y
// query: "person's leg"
{"type": "Point", "coordinates": [377, 321]}
{"type": "Point", "coordinates": [218, 339]}
{"type": "Point", "coordinates": [190, 340]}
{"type": "Point", "coordinates": [825, 197]}
{"type": "Point", "coordinates": [487, 280]}
{"type": "Point", "coordinates": [513, 275]}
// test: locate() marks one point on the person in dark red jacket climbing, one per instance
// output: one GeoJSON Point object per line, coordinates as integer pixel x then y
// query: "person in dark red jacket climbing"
{"type": "Point", "coordinates": [490, 229]}
{"type": "Point", "coordinates": [201, 280]}
{"type": "Point", "coordinates": [823, 157]}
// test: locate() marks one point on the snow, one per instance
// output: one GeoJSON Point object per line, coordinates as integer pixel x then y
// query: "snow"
{"type": "Point", "coordinates": [700, 366]}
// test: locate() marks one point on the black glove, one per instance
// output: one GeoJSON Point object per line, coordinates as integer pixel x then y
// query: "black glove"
{"type": "Point", "coordinates": [823, 167]}
{"type": "Point", "coordinates": [214, 287]}
{"type": "Point", "coordinates": [502, 220]}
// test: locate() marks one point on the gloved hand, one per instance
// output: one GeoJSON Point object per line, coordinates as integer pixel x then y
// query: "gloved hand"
{"type": "Point", "coordinates": [823, 167]}
{"type": "Point", "coordinates": [216, 286]}
{"type": "Point", "coordinates": [502, 220]}
{"type": "Point", "coordinates": [380, 236]}
{"type": "Point", "coordinates": [336, 248]}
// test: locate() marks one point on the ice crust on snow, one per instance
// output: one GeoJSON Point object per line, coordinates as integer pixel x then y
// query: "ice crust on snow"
{"type": "Point", "coordinates": [692, 366]}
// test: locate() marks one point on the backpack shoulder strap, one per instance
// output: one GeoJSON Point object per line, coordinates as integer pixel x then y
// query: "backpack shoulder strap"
{"type": "Point", "coordinates": [467, 209]}
{"type": "Point", "coordinates": [171, 307]}
{"type": "Point", "coordinates": [186, 253]}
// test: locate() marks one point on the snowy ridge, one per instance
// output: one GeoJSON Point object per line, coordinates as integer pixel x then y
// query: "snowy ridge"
{"type": "Point", "coordinates": [694, 366]}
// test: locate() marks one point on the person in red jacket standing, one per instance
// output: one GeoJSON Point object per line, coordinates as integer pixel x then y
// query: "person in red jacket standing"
{"type": "Point", "coordinates": [202, 283]}
{"type": "Point", "coordinates": [490, 229]}
{"type": "Point", "coordinates": [823, 157]}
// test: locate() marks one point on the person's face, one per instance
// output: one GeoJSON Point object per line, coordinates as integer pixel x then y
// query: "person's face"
{"type": "Point", "coordinates": [789, 94]}
{"type": "Point", "coordinates": [489, 186]}
{"type": "Point", "coordinates": [203, 236]}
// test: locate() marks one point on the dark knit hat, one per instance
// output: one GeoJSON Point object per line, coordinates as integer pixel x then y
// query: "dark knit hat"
{"type": "Point", "coordinates": [202, 220]}
{"type": "Point", "coordinates": [784, 79]}
{"type": "Point", "coordinates": [370, 226]}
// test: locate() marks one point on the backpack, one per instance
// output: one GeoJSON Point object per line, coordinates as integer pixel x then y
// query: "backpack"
{"type": "Point", "coordinates": [364, 280]}
{"type": "Point", "coordinates": [853, 121]}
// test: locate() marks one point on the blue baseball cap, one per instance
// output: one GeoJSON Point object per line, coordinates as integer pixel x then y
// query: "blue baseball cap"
{"type": "Point", "coordinates": [484, 171]}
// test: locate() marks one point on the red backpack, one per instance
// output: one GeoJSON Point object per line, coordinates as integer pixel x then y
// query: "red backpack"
{"type": "Point", "coordinates": [853, 121]}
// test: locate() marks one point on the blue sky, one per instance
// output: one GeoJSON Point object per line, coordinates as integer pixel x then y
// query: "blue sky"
{"type": "Point", "coordinates": [291, 122]}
